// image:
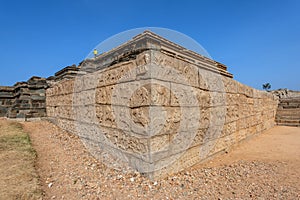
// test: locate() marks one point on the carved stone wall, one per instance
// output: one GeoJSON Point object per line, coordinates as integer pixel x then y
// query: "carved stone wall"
{"type": "Point", "coordinates": [159, 112]}
{"type": "Point", "coordinates": [148, 104]}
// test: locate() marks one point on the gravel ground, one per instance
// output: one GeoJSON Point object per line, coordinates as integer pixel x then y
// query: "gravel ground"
{"type": "Point", "coordinates": [68, 171]}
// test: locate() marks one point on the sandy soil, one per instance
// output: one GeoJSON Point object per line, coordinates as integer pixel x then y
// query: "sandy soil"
{"type": "Point", "coordinates": [19, 179]}
{"type": "Point", "coordinates": [277, 146]}
{"type": "Point", "coordinates": [265, 167]}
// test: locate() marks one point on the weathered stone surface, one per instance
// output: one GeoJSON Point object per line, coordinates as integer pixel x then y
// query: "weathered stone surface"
{"type": "Point", "coordinates": [288, 111]}
{"type": "Point", "coordinates": [103, 95]}
{"type": "Point", "coordinates": [132, 94]}
{"type": "Point", "coordinates": [183, 95]}
{"type": "Point", "coordinates": [230, 85]}
{"type": "Point", "coordinates": [24, 99]}
{"type": "Point", "coordinates": [160, 109]}
{"type": "Point", "coordinates": [122, 72]}
{"type": "Point", "coordinates": [68, 72]}
{"type": "Point", "coordinates": [204, 98]}
{"type": "Point", "coordinates": [160, 93]}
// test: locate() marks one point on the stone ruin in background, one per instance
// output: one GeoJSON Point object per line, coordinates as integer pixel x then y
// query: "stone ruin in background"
{"type": "Point", "coordinates": [24, 99]}
{"type": "Point", "coordinates": [151, 105]}
{"type": "Point", "coordinates": [288, 111]}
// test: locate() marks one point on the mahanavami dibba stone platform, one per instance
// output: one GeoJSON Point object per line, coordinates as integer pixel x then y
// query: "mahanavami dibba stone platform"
{"type": "Point", "coordinates": [157, 107]}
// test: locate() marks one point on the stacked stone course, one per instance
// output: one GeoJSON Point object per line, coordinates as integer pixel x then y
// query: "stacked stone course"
{"type": "Point", "coordinates": [24, 99]}
{"type": "Point", "coordinates": [288, 111]}
{"type": "Point", "coordinates": [6, 97]}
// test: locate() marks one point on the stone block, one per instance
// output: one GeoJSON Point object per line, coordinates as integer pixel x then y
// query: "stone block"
{"type": "Point", "coordinates": [188, 71]}
{"type": "Point", "coordinates": [135, 94]}
{"type": "Point", "coordinates": [217, 99]}
{"type": "Point", "coordinates": [204, 98]}
{"type": "Point", "coordinates": [230, 85]}
{"type": "Point", "coordinates": [203, 84]}
{"type": "Point", "coordinates": [50, 111]}
{"type": "Point", "coordinates": [175, 163]}
{"type": "Point", "coordinates": [222, 143]}
{"type": "Point", "coordinates": [217, 115]}
{"type": "Point", "coordinates": [205, 118]}
{"type": "Point", "coordinates": [183, 95]}
{"type": "Point", "coordinates": [141, 116]}
{"type": "Point", "coordinates": [161, 93]}
{"type": "Point", "coordinates": [105, 116]}
{"type": "Point", "coordinates": [206, 135]}
{"type": "Point", "coordinates": [122, 72]}
{"type": "Point", "coordinates": [159, 143]}
{"type": "Point", "coordinates": [103, 95]}
{"type": "Point", "coordinates": [85, 82]}
{"type": "Point", "coordinates": [85, 97]}
{"type": "Point", "coordinates": [229, 128]}
{"type": "Point", "coordinates": [232, 113]}
{"type": "Point", "coordinates": [144, 58]}
{"type": "Point", "coordinates": [127, 142]}
{"type": "Point", "coordinates": [168, 123]}
{"type": "Point", "coordinates": [211, 81]}
{"type": "Point", "coordinates": [232, 99]}
{"type": "Point", "coordinates": [132, 94]}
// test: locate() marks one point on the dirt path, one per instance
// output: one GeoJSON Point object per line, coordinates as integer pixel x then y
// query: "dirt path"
{"type": "Point", "coordinates": [280, 144]}
{"type": "Point", "coordinates": [265, 167]}
{"type": "Point", "coordinates": [19, 179]}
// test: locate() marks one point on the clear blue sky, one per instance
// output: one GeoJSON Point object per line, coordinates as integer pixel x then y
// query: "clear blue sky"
{"type": "Point", "coordinates": [259, 40]}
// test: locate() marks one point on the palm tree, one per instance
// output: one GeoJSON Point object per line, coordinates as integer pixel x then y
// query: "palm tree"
{"type": "Point", "coordinates": [266, 86]}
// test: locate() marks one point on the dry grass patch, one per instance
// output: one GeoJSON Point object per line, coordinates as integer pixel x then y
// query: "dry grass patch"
{"type": "Point", "coordinates": [19, 179]}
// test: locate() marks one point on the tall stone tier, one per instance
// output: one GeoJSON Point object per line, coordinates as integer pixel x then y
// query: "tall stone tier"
{"type": "Point", "coordinates": [157, 107]}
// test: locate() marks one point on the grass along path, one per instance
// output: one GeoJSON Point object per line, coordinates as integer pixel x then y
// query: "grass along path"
{"type": "Point", "coordinates": [19, 179]}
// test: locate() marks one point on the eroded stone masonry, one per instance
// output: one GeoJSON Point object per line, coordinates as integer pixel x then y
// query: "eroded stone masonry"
{"type": "Point", "coordinates": [155, 106]}
{"type": "Point", "coordinates": [24, 99]}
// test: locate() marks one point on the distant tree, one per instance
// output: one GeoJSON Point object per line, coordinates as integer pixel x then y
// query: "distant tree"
{"type": "Point", "coordinates": [266, 86]}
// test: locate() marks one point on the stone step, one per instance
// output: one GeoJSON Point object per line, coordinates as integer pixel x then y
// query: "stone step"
{"type": "Point", "coordinates": [294, 111]}
{"type": "Point", "coordinates": [288, 108]}
{"type": "Point", "coordinates": [290, 103]}
{"type": "Point", "coordinates": [291, 106]}
{"type": "Point", "coordinates": [288, 121]}
{"type": "Point", "coordinates": [294, 99]}
{"type": "Point", "coordinates": [288, 100]}
{"type": "Point", "coordinates": [288, 112]}
{"type": "Point", "coordinates": [291, 115]}
{"type": "Point", "coordinates": [288, 124]}
{"type": "Point", "coordinates": [287, 118]}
